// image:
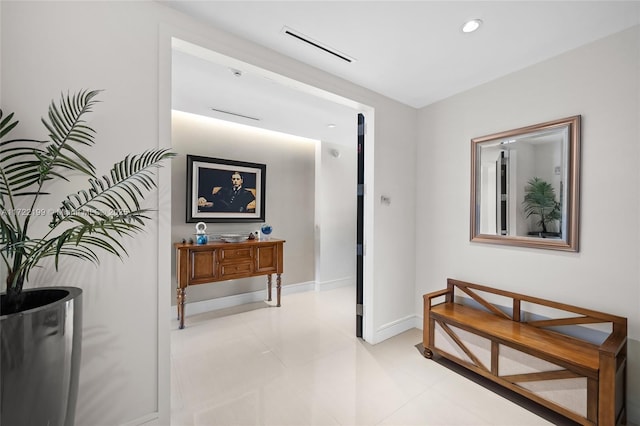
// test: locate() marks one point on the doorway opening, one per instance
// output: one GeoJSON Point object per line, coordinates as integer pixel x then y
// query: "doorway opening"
{"type": "Point", "coordinates": [334, 237]}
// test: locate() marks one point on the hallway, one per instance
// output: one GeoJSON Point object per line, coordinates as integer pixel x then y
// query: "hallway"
{"type": "Point", "coordinates": [302, 365]}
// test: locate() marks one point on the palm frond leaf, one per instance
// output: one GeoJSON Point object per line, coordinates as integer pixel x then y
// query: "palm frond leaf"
{"type": "Point", "coordinates": [8, 235]}
{"type": "Point", "coordinates": [66, 126]}
{"type": "Point", "coordinates": [84, 240]}
{"type": "Point", "coordinates": [6, 124]}
{"type": "Point", "coordinates": [540, 200]}
{"type": "Point", "coordinates": [89, 221]}
{"type": "Point", "coordinates": [19, 165]}
{"type": "Point", "coordinates": [25, 163]}
{"type": "Point", "coordinates": [117, 194]}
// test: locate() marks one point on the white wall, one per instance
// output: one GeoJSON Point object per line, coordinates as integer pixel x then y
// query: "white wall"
{"type": "Point", "coordinates": [600, 81]}
{"type": "Point", "coordinates": [54, 47]}
{"type": "Point", "coordinates": [336, 180]}
{"type": "Point", "coordinates": [394, 231]}
{"type": "Point", "coordinates": [123, 47]}
{"type": "Point", "coordinates": [290, 178]}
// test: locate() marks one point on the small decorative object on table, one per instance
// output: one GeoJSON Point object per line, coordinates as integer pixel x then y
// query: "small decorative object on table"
{"type": "Point", "coordinates": [201, 236]}
{"type": "Point", "coordinates": [233, 238]}
{"type": "Point", "coordinates": [266, 230]}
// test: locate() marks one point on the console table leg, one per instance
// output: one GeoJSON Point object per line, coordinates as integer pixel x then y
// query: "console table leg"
{"type": "Point", "coordinates": [278, 287]}
{"type": "Point", "coordinates": [180, 305]}
{"type": "Point", "coordinates": [178, 302]}
{"type": "Point", "coordinates": [269, 288]}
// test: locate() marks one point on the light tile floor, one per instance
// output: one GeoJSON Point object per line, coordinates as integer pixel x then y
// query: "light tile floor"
{"type": "Point", "coordinates": [301, 364]}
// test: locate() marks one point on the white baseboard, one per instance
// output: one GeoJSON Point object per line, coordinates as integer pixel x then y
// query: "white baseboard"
{"type": "Point", "coordinates": [394, 328]}
{"type": "Point", "coordinates": [150, 419]}
{"type": "Point", "coordinates": [419, 322]}
{"type": "Point", "coordinates": [333, 284]}
{"type": "Point", "coordinates": [194, 308]}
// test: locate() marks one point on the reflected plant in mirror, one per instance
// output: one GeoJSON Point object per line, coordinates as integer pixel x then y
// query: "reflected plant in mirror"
{"type": "Point", "coordinates": [524, 186]}
{"type": "Point", "coordinates": [540, 200]}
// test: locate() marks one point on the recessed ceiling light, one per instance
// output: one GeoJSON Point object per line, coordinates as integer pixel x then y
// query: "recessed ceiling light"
{"type": "Point", "coordinates": [331, 126]}
{"type": "Point", "coordinates": [471, 26]}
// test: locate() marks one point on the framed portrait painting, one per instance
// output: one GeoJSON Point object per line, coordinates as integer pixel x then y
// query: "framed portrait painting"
{"type": "Point", "coordinates": [221, 190]}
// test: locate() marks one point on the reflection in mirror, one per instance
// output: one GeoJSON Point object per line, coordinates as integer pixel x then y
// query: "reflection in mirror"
{"type": "Point", "coordinates": [524, 186]}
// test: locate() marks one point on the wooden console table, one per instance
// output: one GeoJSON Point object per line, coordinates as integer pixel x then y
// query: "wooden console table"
{"type": "Point", "coordinates": [221, 261]}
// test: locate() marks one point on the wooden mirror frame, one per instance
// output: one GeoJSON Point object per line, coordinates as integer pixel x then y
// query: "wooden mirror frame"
{"type": "Point", "coordinates": [569, 240]}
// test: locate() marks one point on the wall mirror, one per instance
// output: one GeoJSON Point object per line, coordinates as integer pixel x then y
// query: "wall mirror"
{"type": "Point", "coordinates": [525, 184]}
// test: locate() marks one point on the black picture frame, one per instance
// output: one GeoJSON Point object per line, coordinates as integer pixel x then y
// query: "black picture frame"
{"type": "Point", "coordinates": [210, 195]}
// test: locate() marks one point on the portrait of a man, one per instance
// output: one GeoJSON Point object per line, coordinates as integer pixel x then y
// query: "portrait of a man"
{"type": "Point", "coordinates": [230, 198]}
{"type": "Point", "coordinates": [225, 190]}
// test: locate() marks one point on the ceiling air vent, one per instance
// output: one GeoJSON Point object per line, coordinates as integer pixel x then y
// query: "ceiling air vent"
{"type": "Point", "coordinates": [234, 114]}
{"type": "Point", "coordinates": [318, 45]}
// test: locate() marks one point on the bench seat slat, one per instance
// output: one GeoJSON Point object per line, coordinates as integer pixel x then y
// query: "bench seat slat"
{"type": "Point", "coordinates": [571, 351]}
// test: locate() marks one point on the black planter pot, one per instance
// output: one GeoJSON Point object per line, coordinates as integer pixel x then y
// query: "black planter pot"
{"type": "Point", "coordinates": [541, 234]}
{"type": "Point", "coordinates": [40, 357]}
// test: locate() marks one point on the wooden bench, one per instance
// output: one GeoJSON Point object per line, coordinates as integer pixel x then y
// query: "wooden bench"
{"type": "Point", "coordinates": [569, 359]}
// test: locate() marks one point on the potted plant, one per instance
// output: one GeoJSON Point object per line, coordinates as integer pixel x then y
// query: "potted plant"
{"type": "Point", "coordinates": [540, 200]}
{"type": "Point", "coordinates": [41, 328]}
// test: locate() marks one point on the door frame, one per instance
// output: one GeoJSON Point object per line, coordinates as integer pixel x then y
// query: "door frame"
{"type": "Point", "coordinates": [166, 34]}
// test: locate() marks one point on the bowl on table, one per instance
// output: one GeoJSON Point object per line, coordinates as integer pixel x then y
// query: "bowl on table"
{"type": "Point", "coordinates": [233, 238]}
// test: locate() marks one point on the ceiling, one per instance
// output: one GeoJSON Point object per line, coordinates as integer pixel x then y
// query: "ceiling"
{"type": "Point", "coordinates": [410, 51]}
{"type": "Point", "coordinates": [203, 81]}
